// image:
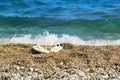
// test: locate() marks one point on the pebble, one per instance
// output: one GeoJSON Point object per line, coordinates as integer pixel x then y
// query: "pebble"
{"type": "Point", "coordinates": [16, 75]}
{"type": "Point", "coordinates": [62, 73]}
{"type": "Point", "coordinates": [28, 78]}
{"type": "Point", "coordinates": [61, 63]}
{"type": "Point", "coordinates": [81, 73]}
{"type": "Point", "coordinates": [31, 69]}
{"type": "Point", "coordinates": [73, 77]}
{"type": "Point", "coordinates": [18, 67]}
{"type": "Point", "coordinates": [118, 77]}
{"type": "Point", "coordinates": [39, 72]}
{"type": "Point", "coordinates": [105, 76]}
{"type": "Point", "coordinates": [22, 67]}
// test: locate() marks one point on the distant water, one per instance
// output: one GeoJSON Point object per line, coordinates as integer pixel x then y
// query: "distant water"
{"type": "Point", "coordinates": [82, 22]}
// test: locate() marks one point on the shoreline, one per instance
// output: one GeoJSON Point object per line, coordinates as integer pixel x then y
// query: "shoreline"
{"type": "Point", "coordinates": [88, 62]}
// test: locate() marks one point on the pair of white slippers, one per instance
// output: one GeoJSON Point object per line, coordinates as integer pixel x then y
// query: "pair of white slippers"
{"type": "Point", "coordinates": [39, 48]}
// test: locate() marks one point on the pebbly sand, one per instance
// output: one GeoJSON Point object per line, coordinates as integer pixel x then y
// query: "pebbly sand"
{"type": "Point", "coordinates": [20, 62]}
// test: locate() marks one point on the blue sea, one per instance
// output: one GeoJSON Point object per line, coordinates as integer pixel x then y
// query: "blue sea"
{"type": "Point", "coordinates": [81, 22]}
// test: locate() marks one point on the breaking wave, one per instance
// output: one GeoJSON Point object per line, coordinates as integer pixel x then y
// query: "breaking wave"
{"type": "Point", "coordinates": [51, 39]}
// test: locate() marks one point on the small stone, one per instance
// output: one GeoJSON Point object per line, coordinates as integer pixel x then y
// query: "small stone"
{"type": "Point", "coordinates": [7, 78]}
{"type": "Point", "coordinates": [113, 79]}
{"type": "Point", "coordinates": [3, 77]}
{"type": "Point", "coordinates": [91, 75]}
{"type": "Point", "coordinates": [6, 70]}
{"type": "Point", "coordinates": [21, 78]}
{"type": "Point", "coordinates": [81, 73]}
{"type": "Point", "coordinates": [31, 69]}
{"type": "Point", "coordinates": [72, 77]}
{"type": "Point", "coordinates": [46, 76]}
{"type": "Point", "coordinates": [87, 70]}
{"type": "Point", "coordinates": [91, 71]}
{"type": "Point", "coordinates": [22, 67]}
{"type": "Point", "coordinates": [17, 67]}
{"type": "Point", "coordinates": [21, 73]}
{"type": "Point", "coordinates": [34, 75]}
{"type": "Point", "coordinates": [105, 76]}
{"type": "Point", "coordinates": [61, 63]}
{"type": "Point", "coordinates": [36, 70]}
{"type": "Point", "coordinates": [16, 75]}
{"type": "Point", "coordinates": [39, 72]}
{"type": "Point", "coordinates": [28, 78]}
{"type": "Point", "coordinates": [118, 77]}
{"type": "Point", "coordinates": [101, 69]}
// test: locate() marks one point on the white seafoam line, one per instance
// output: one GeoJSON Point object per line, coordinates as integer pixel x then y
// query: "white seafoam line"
{"type": "Point", "coordinates": [51, 39]}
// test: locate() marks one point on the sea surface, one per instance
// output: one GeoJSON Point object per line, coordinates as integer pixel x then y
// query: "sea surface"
{"type": "Point", "coordinates": [81, 22]}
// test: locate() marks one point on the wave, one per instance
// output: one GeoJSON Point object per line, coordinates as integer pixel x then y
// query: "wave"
{"type": "Point", "coordinates": [51, 39]}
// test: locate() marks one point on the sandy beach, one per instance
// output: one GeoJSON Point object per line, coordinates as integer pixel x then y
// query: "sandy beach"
{"type": "Point", "coordinates": [21, 62]}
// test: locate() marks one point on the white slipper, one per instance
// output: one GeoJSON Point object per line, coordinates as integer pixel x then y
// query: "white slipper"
{"type": "Point", "coordinates": [56, 49]}
{"type": "Point", "coordinates": [38, 48]}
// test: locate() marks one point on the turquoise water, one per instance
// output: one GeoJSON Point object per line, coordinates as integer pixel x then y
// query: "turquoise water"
{"type": "Point", "coordinates": [83, 22]}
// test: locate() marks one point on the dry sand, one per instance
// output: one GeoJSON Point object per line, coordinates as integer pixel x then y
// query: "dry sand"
{"type": "Point", "coordinates": [71, 54]}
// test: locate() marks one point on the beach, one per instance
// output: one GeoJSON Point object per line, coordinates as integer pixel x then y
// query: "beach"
{"type": "Point", "coordinates": [88, 32]}
{"type": "Point", "coordinates": [73, 62]}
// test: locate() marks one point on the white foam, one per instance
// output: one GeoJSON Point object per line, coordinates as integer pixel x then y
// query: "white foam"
{"type": "Point", "coordinates": [51, 39]}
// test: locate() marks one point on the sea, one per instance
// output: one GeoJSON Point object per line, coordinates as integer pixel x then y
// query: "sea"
{"type": "Point", "coordinates": [49, 22]}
